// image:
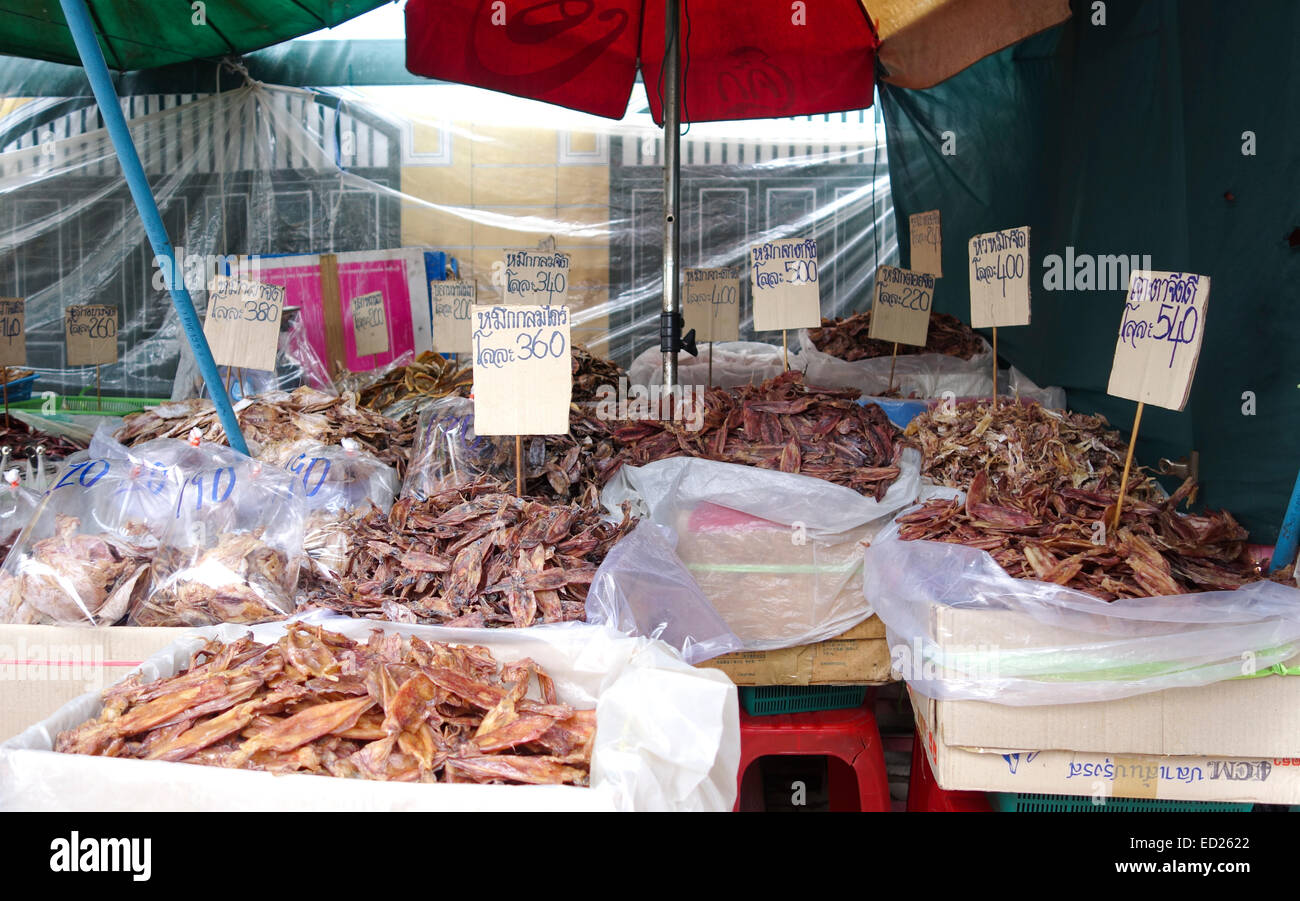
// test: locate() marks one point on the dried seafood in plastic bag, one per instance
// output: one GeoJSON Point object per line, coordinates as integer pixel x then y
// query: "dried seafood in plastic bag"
{"type": "Point", "coordinates": [474, 555]}
{"type": "Point", "coordinates": [1064, 536]}
{"type": "Point", "coordinates": [847, 338]}
{"type": "Point", "coordinates": [1022, 444]}
{"type": "Point", "coordinates": [403, 390]}
{"type": "Point", "coordinates": [782, 424]}
{"type": "Point", "coordinates": [391, 709]}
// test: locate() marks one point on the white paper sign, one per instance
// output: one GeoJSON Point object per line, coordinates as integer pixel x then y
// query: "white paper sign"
{"type": "Point", "coordinates": [787, 294]}
{"type": "Point", "coordinates": [453, 322]}
{"type": "Point", "coordinates": [712, 304]}
{"type": "Point", "coordinates": [523, 375]}
{"type": "Point", "coordinates": [90, 331]}
{"type": "Point", "coordinates": [1160, 337]}
{"type": "Point", "coordinates": [243, 322]}
{"type": "Point", "coordinates": [369, 324]}
{"type": "Point", "coordinates": [13, 331]}
{"type": "Point", "coordinates": [999, 278]}
{"type": "Point", "coordinates": [536, 276]}
{"type": "Point", "coordinates": [927, 242]}
{"type": "Point", "coordinates": [900, 306]}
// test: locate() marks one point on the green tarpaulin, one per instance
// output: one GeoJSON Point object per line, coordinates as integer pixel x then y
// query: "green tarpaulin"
{"type": "Point", "coordinates": [1169, 131]}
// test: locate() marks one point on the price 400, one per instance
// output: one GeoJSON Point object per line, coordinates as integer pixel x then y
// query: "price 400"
{"type": "Point", "coordinates": [532, 347]}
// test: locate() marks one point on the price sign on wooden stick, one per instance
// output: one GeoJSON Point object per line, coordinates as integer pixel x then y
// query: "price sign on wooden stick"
{"type": "Point", "coordinates": [13, 331]}
{"type": "Point", "coordinates": [90, 332]}
{"type": "Point", "coordinates": [900, 309]}
{"type": "Point", "coordinates": [523, 375]}
{"type": "Point", "coordinates": [243, 322]}
{"type": "Point", "coordinates": [369, 324]}
{"type": "Point", "coordinates": [999, 284]}
{"type": "Point", "coordinates": [712, 304]}
{"type": "Point", "coordinates": [787, 293]}
{"type": "Point", "coordinates": [453, 322]}
{"type": "Point", "coordinates": [926, 239]}
{"type": "Point", "coordinates": [1158, 346]}
{"type": "Point", "coordinates": [536, 276]}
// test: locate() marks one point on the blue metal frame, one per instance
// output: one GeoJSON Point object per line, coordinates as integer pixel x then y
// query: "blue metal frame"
{"type": "Point", "coordinates": [92, 58]}
{"type": "Point", "coordinates": [1289, 535]}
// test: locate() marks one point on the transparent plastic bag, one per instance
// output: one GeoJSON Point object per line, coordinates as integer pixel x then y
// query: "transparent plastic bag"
{"type": "Point", "coordinates": [296, 364]}
{"type": "Point", "coordinates": [448, 453]}
{"type": "Point", "coordinates": [771, 559]}
{"type": "Point", "coordinates": [84, 557]}
{"type": "Point", "coordinates": [961, 628]}
{"type": "Point", "coordinates": [231, 547]}
{"type": "Point", "coordinates": [735, 363]}
{"type": "Point", "coordinates": [17, 507]}
{"type": "Point", "coordinates": [915, 375]}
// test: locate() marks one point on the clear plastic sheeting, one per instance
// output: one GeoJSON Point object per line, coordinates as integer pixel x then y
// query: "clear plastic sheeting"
{"type": "Point", "coordinates": [296, 364]}
{"type": "Point", "coordinates": [740, 555]}
{"type": "Point", "coordinates": [960, 628]}
{"type": "Point", "coordinates": [726, 364]}
{"type": "Point", "coordinates": [667, 738]}
{"type": "Point", "coordinates": [268, 170]}
{"type": "Point", "coordinates": [448, 452]}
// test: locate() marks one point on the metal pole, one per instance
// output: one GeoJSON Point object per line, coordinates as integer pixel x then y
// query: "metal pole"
{"type": "Point", "coordinates": [92, 59]}
{"type": "Point", "coordinates": [1287, 539]}
{"type": "Point", "coordinates": [672, 194]}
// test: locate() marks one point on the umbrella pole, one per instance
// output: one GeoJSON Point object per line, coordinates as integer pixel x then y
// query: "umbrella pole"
{"type": "Point", "coordinates": [1287, 538]}
{"type": "Point", "coordinates": [92, 59]}
{"type": "Point", "coordinates": [670, 320]}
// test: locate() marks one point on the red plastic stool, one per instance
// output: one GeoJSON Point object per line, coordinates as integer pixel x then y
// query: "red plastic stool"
{"type": "Point", "coordinates": [924, 794]}
{"type": "Point", "coordinates": [849, 735]}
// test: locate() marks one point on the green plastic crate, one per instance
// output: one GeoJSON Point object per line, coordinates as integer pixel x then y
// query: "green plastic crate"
{"type": "Point", "coordinates": [766, 700]}
{"type": "Point", "coordinates": [107, 405]}
{"type": "Point", "coordinates": [1026, 802]}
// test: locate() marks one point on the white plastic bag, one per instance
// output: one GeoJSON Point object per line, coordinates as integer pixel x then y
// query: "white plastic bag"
{"type": "Point", "coordinates": [769, 559]}
{"type": "Point", "coordinates": [915, 375]}
{"type": "Point", "coordinates": [961, 628]}
{"type": "Point", "coordinates": [17, 507]}
{"type": "Point", "coordinates": [667, 738]}
{"type": "Point", "coordinates": [735, 363]}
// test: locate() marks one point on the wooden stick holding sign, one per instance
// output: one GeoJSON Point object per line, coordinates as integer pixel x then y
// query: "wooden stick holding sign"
{"type": "Point", "coordinates": [787, 295]}
{"type": "Point", "coordinates": [999, 284]}
{"type": "Point", "coordinates": [13, 346]}
{"type": "Point", "coordinates": [1158, 347]}
{"type": "Point", "coordinates": [712, 306]}
{"type": "Point", "coordinates": [900, 309]}
{"type": "Point", "coordinates": [90, 334]}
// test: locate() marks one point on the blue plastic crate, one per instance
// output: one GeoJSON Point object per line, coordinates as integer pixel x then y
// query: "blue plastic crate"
{"type": "Point", "coordinates": [1027, 802]}
{"type": "Point", "coordinates": [21, 389]}
{"type": "Point", "coordinates": [768, 700]}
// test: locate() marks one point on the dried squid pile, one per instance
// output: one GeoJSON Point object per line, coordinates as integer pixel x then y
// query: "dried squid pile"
{"type": "Point", "coordinates": [318, 702]}
{"type": "Point", "coordinates": [403, 390]}
{"type": "Point", "coordinates": [276, 419]}
{"type": "Point", "coordinates": [847, 338]}
{"type": "Point", "coordinates": [1064, 536]}
{"type": "Point", "coordinates": [571, 467]}
{"type": "Point", "coordinates": [474, 556]}
{"type": "Point", "coordinates": [781, 424]}
{"type": "Point", "coordinates": [22, 441]}
{"type": "Point", "coordinates": [1022, 444]}
{"type": "Point", "coordinates": [590, 372]}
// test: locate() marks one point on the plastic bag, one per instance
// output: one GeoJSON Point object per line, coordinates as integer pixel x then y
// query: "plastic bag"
{"type": "Point", "coordinates": [770, 559]}
{"type": "Point", "coordinates": [17, 507]}
{"type": "Point", "coordinates": [231, 547]}
{"type": "Point", "coordinates": [667, 738]}
{"type": "Point", "coordinates": [735, 363]}
{"type": "Point", "coordinates": [961, 628]}
{"type": "Point", "coordinates": [448, 453]}
{"type": "Point", "coordinates": [915, 375]}
{"type": "Point", "coordinates": [86, 552]}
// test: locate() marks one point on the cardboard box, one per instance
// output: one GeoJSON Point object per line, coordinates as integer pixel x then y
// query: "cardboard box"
{"type": "Point", "coordinates": [44, 667]}
{"type": "Point", "coordinates": [858, 656]}
{"type": "Point", "coordinates": [1200, 777]}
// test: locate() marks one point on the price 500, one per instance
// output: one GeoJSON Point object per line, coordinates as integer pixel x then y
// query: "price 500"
{"type": "Point", "coordinates": [532, 347]}
{"type": "Point", "coordinates": [802, 272]}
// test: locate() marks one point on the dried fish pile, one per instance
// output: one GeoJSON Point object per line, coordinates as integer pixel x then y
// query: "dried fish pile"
{"type": "Point", "coordinates": [781, 424]}
{"type": "Point", "coordinates": [22, 441]}
{"type": "Point", "coordinates": [1064, 536]}
{"type": "Point", "coordinates": [318, 702]}
{"type": "Point", "coordinates": [277, 418]}
{"type": "Point", "coordinates": [1022, 444]}
{"type": "Point", "coordinates": [847, 339]}
{"type": "Point", "coordinates": [402, 390]}
{"type": "Point", "coordinates": [590, 372]}
{"type": "Point", "coordinates": [571, 467]}
{"type": "Point", "coordinates": [473, 556]}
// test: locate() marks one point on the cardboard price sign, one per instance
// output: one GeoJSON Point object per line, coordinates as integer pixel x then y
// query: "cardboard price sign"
{"type": "Point", "coordinates": [90, 332]}
{"type": "Point", "coordinates": [13, 331]}
{"type": "Point", "coordinates": [536, 276]}
{"type": "Point", "coordinates": [900, 306]}
{"type": "Point", "coordinates": [926, 238]}
{"type": "Point", "coordinates": [369, 324]}
{"type": "Point", "coordinates": [999, 278]}
{"type": "Point", "coordinates": [453, 321]}
{"type": "Point", "coordinates": [243, 322]}
{"type": "Point", "coordinates": [787, 294]}
{"type": "Point", "coordinates": [712, 304]}
{"type": "Point", "coordinates": [523, 375]}
{"type": "Point", "coordinates": [1159, 337]}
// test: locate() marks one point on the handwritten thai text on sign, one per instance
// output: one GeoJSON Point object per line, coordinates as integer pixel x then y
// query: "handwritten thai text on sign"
{"type": "Point", "coordinates": [243, 322]}
{"type": "Point", "coordinates": [1160, 337]}
{"type": "Point", "coordinates": [787, 294]}
{"type": "Point", "coordinates": [900, 306]}
{"type": "Point", "coordinates": [91, 334]}
{"type": "Point", "coordinates": [453, 303]}
{"type": "Point", "coordinates": [927, 242]}
{"type": "Point", "coordinates": [13, 331]}
{"type": "Point", "coordinates": [369, 324]}
{"type": "Point", "coordinates": [523, 376]}
{"type": "Point", "coordinates": [712, 305]}
{"type": "Point", "coordinates": [534, 276]}
{"type": "Point", "coordinates": [999, 278]}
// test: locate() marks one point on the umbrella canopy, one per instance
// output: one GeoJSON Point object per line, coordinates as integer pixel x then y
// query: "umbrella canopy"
{"type": "Point", "coordinates": [740, 60]}
{"type": "Point", "coordinates": [142, 34]}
